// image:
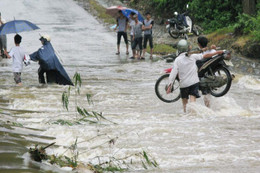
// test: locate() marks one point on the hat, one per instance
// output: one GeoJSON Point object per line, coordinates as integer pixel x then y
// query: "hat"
{"type": "Point", "coordinates": [45, 37]}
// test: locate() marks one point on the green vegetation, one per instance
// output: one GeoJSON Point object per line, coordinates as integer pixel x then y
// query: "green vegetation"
{"type": "Point", "coordinates": [101, 12]}
{"type": "Point", "coordinates": [91, 117]}
{"type": "Point", "coordinates": [162, 49]}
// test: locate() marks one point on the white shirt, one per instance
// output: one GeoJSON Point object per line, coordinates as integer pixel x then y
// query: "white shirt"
{"type": "Point", "coordinates": [17, 53]}
{"type": "Point", "coordinates": [209, 51]}
{"type": "Point", "coordinates": [186, 68]}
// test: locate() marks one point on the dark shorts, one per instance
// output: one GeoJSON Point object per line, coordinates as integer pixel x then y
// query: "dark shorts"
{"type": "Point", "coordinates": [17, 77]}
{"type": "Point", "coordinates": [138, 41]}
{"type": "Point", "coordinates": [119, 35]}
{"type": "Point", "coordinates": [191, 90]}
{"type": "Point", "coordinates": [146, 39]}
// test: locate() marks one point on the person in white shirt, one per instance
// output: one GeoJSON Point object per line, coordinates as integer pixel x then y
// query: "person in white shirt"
{"type": "Point", "coordinates": [17, 54]}
{"type": "Point", "coordinates": [186, 69]}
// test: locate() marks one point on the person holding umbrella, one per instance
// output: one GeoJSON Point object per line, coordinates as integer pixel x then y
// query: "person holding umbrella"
{"type": "Point", "coordinates": [122, 24]}
{"type": "Point", "coordinates": [49, 64]}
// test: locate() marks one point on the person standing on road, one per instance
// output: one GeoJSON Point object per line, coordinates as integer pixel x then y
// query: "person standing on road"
{"type": "Point", "coordinates": [137, 37]}
{"type": "Point", "coordinates": [147, 27]}
{"type": "Point", "coordinates": [17, 54]}
{"type": "Point", "coordinates": [122, 24]}
{"type": "Point", "coordinates": [131, 25]}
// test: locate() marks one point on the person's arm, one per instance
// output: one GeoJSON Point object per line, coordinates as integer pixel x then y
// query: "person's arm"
{"type": "Point", "coordinates": [34, 56]}
{"type": "Point", "coordinates": [1, 21]}
{"type": "Point", "coordinates": [143, 27]}
{"type": "Point", "coordinates": [151, 25]}
{"type": "Point", "coordinates": [126, 25]}
{"type": "Point", "coordinates": [172, 76]}
{"type": "Point", "coordinates": [209, 55]}
{"type": "Point", "coordinates": [117, 24]}
{"type": "Point", "coordinates": [8, 55]}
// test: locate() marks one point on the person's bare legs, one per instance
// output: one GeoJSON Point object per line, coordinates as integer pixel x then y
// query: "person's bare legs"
{"type": "Point", "coordinates": [138, 54]}
{"type": "Point", "coordinates": [118, 49]}
{"type": "Point", "coordinates": [192, 98]}
{"type": "Point", "coordinates": [127, 49]}
{"type": "Point", "coordinates": [207, 100]}
{"type": "Point", "coordinates": [144, 51]}
{"type": "Point", "coordinates": [184, 103]}
{"type": "Point", "coordinates": [151, 53]}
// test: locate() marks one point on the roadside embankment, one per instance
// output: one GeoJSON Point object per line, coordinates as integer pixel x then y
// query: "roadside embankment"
{"type": "Point", "coordinates": [164, 44]}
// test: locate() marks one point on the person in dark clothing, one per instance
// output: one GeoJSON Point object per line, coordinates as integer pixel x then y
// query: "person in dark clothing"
{"type": "Point", "coordinates": [50, 64]}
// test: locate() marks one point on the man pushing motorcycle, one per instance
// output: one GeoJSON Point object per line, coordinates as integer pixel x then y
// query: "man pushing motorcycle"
{"type": "Point", "coordinates": [185, 67]}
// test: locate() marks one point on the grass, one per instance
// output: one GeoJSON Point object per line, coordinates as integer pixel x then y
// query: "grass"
{"type": "Point", "coordinates": [220, 34]}
{"type": "Point", "coordinates": [162, 49]}
{"type": "Point", "coordinates": [241, 41]}
{"type": "Point", "coordinates": [101, 12]}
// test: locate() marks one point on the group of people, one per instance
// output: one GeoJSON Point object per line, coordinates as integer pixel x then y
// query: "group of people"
{"type": "Point", "coordinates": [185, 66]}
{"type": "Point", "coordinates": [137, 28]}
{"type": "Point", "coordinates": [46, 57]}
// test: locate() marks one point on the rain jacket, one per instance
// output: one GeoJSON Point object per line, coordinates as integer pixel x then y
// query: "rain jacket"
{"type": "Point", "coordinates": [49, 61]}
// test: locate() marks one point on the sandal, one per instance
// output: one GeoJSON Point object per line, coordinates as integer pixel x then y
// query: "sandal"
{"type": "Point", "coordinates": [142, 58]}
{"type": "Point", "coordinates": [127, 53]}
{"type": "Point", "coordinates": [132, 57]}
{"type": "Point", "coordinates": [117, 53]}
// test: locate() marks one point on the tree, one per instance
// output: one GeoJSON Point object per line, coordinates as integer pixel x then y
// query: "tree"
{"type": "Point", "coordinates": [249, 6]}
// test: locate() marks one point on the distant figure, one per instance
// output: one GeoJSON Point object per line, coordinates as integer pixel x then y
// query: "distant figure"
{"type": "Point", "coordinates": [122, 24]}
{"type": "Point", "coordinates": [132, 24]}
{"type": "Point", "coordinates": [50, 64]}
{"type": "Point", "coordinates": [3, 41]}
{"type": "Point", "coordinates": [147, 27]}
{"type": "Point", "coordinates": [17, 53]}
{"type": "Point", "coordinates": [137, 37]}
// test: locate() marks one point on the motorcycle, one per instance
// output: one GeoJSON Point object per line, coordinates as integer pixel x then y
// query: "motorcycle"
{"type": "Point", "coordinates": [181, 25]}
{"type": "Point", "coordinates": [215, 78]}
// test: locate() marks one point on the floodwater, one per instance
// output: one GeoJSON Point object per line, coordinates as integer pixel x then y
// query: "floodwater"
{"type": "Point", "coordinates": [224, 138]}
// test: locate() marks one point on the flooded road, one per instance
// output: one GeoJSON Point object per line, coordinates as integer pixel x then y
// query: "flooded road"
{"type": "Point", "coordinates": [224, 138]}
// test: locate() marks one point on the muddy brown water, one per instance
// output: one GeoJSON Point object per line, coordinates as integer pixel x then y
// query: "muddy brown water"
{"type": "Point", "coordinates": [223, 138]}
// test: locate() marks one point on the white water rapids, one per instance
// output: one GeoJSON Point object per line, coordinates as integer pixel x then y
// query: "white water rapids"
{"type": "Point", "coordinates": [224, 138]}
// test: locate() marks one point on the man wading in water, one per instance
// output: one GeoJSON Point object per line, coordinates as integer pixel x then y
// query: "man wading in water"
{"type": "Point", "coordinates": [185, 67]}
{"type": "Point", "coordinates": [49, 64]}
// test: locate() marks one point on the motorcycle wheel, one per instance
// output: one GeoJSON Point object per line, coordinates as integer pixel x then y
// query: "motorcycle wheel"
{"type": "Point", "coordinates": [161, 86]}
{"type": "Point", "coordinates": [195, 30]}
{"type": "Point", "coordinates": [172, 32]}
{"type": "Point", "coordinates": [223, 72]}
